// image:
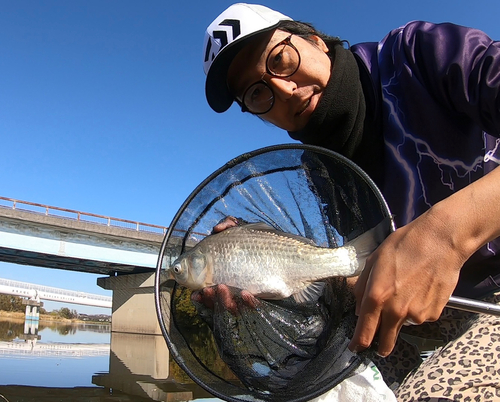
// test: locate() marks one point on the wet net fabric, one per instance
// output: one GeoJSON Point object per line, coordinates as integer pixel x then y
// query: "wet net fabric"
{"type": "Point", "coordinates": [239, 347]}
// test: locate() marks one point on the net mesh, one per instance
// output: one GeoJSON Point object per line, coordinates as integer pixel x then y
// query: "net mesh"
{"type": "Point", "coordinates": [241, 348]}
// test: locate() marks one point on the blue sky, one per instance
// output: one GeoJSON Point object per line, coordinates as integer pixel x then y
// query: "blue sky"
{"type": "Point", "coordinates": [102, 105]}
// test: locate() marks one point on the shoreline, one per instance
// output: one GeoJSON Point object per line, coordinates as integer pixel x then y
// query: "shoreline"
{"type": "Point", "coordinates": [17, 315]}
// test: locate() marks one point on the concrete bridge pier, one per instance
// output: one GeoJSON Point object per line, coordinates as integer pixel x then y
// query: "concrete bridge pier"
{"type": "Point", "coordinates": [140, 361]}
{"type": "Point", "coordinates": [31, 319]}
{"type": "Point", "coordinates": [133, 306]}
{"type": "Point", "coordinates": [32, 309]}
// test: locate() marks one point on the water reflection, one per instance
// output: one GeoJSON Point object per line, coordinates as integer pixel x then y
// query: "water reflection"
{"type": "Point", "coordinates": [81, 362]}
{"type": "Point", "coordinates": [140, 365]}
{"type": "Point", "coordinates": [11, 328]}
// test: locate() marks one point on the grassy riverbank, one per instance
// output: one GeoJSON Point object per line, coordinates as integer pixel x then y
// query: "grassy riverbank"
{"type": "Point", "coordinates": [17, 315]}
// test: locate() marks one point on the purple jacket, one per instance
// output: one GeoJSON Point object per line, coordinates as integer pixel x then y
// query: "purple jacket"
{"type": "Point", "coordinates": [435, 90]}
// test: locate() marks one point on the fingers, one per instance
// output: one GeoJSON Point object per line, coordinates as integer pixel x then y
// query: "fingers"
{"type": "Point", "coordinates": [376, 315]}
{"type": "Point", "coordinates": [204, 296]}
{"type": "Point", "coordinates": [382, 312]}
{"type": "Point", "coordinates": [209, 296]}
{"type": "Point", "coordinates": [368, 313]}
{"type": "Point", "coordinates": [249, 299]}
{"type": "Point", "coordinates": [407, 279]}
{"type": "Point", "coordinates": [374, 320]}
{"type": "Point", "coordinates": [228, 222]}
{"type": "Point", "coordinates": [365, 331]}
{"type": "Point", "coordinates": [388, 333]}
{"type": "Point", "coordinates": [360, 285]}
{"type": "Point", "coordinates": [222, 296]}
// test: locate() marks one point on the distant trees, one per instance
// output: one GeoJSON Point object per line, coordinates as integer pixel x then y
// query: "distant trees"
{"type": "Point", "coordinates": [67, 313]}
{"type": "Point", "coordinates": [11, 303]}
{"type": "Point", "coordinates": [15, 304]}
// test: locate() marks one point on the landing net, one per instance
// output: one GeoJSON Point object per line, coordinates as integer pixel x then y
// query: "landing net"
{"type": "Point", "coordinates": [269, 350]}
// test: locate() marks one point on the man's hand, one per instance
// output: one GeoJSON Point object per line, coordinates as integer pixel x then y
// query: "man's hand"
{"type": "Point", "coordinates": [225, 297]}
{"type": "Point", "coordinates": [411, 276]}
{"type": "Point", "coordinates": [227, 223]}
{"type": "Point", "coordinates": [408, 279]}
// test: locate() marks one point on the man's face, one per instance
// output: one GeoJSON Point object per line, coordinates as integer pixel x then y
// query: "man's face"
{"type": "Point", "coordinates": [295, 97]}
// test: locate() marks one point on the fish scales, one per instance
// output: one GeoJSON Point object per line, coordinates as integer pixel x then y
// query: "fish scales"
{"type": "Point", "coordinates": [260, 255]}
{"type": "Point", "coordinates": [263, 261]}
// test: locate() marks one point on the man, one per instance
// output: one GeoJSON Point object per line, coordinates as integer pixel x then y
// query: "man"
{"type": "Point", "coordinates": [419, 112]}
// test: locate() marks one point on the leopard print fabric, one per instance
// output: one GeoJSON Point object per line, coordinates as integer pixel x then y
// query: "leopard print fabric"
{"type": "Point", "coordinates": [406, 355]}
{"type": "Point", "coordinates": [394, 368]}
{"type": "Point", "coordinates": [466, 368]}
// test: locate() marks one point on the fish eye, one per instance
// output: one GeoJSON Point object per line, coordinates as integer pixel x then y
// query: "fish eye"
{"type": "Point", "coordinates": [177, 268]}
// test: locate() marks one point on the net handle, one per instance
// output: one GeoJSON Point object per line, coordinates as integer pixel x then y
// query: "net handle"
{"type": "Point", "coordinates": [473, 306]}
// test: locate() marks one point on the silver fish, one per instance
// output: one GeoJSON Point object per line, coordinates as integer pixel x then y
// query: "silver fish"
{"type": "Point", "coordinates": [271, 264]}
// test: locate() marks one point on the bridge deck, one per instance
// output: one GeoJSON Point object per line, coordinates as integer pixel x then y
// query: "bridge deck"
{"type": "Point", "coordinates": [71, 243]}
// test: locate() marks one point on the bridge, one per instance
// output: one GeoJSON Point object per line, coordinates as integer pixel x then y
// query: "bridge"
{"type": "Point", "coordinates": [32, 291]}
{"type": "Point", "coordinates": [125, 251]}
{"type": "Point", "coordinates": [41, 235]}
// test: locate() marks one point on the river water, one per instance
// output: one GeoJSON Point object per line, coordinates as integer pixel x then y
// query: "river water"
{"type": "Point", "coordinates": [86, 362]}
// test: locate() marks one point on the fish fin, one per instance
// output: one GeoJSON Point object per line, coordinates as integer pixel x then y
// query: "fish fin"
{"type": "Point", "coordinates": [366, 243]}
{"type": "Point", "coordinates": [264, 227]}
{"type": "Point", "coordinates": [310, 294]}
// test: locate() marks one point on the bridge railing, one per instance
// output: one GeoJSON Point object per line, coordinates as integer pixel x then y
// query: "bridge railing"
{"type": "Point", "coordinates": [79, 216]}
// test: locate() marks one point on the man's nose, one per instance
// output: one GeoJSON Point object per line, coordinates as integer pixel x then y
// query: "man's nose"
{"type": "Point", "coordinates": [283, 87]}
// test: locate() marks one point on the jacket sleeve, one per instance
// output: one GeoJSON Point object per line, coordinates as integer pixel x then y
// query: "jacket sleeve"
{"type": "Point", "coordinates": [460, 66]}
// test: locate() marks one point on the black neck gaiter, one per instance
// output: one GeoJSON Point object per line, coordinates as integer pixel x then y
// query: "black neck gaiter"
{"type": "Point", "coordinates": [341, 121]}
{"type": "Point", "coordinates": [337, 121]}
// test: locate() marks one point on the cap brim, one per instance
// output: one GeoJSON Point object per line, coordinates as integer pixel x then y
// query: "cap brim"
{"type": "Point", "coordinates": [216, 90]}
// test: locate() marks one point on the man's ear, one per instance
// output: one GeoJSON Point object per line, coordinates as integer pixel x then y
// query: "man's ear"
{"type": "Point", "coordinates": [320, 43]}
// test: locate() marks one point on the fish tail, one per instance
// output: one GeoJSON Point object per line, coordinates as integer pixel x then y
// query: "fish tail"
{"type": "Point", "coordinates": [366, 243]}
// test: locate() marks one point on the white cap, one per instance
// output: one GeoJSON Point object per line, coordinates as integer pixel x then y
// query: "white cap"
{"type": "Point", "coordinates": [224, 38]}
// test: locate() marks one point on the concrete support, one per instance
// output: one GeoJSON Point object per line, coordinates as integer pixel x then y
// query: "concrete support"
{"type": "Point", "coordinates": [32, 310]}
{"type": "Point", "coordinates": [140, 365]}
{"type": "Point", "coordinates": [143, 355]}
{"type": "Point", "coordinates": [133, 308]}
{"type": "Point", "coordinates": [31, 319]}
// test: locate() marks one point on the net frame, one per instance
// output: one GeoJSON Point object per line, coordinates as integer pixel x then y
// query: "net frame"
{"type": "Point", "coordinates": [189, 362]}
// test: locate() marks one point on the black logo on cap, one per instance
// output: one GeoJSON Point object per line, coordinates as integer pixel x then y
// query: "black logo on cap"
{"type": "Point", "coordinates": [222, 36]}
